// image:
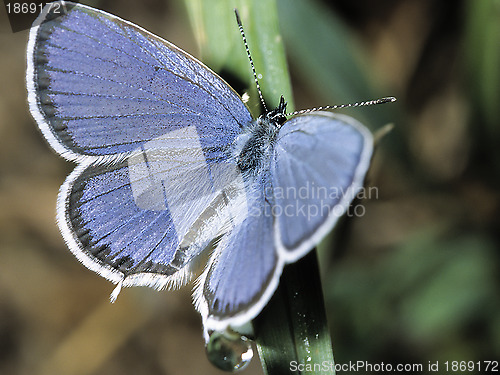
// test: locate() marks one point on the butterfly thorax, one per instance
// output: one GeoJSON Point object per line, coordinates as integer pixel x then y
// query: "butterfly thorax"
{"type": "Point", "coordinates": [254, 146]}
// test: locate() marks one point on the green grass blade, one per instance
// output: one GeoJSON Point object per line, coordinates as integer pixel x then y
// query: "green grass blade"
{"type": "Point", "coordinates": [292, 331]}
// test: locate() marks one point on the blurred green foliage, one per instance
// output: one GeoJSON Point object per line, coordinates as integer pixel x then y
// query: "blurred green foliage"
{"type": "Point", "coordinates": [423, 300]}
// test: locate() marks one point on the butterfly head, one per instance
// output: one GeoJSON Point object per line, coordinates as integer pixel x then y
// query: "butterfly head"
{"type": "Point", "coordinates": [278, 115]}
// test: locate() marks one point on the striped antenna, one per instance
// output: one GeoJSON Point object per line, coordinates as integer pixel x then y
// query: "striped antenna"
{"type": "Point", "coordinates": [388, 99]}
{"type": "Point", "coordinates": [242, 32]}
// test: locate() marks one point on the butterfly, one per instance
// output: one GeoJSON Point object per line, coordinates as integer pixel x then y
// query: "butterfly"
{"type": "Point", "coordinates": [171, 164]}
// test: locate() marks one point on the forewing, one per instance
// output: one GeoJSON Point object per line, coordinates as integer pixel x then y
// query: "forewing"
{"type": "Point", "coordinates": [319, 164]}
{"type": "Point", "coordinates": [99, 85]}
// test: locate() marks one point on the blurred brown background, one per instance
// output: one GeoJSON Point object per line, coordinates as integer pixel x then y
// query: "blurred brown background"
{"type": "Point", "coordinates": [416, 279]}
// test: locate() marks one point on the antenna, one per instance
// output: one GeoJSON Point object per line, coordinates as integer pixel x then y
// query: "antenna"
{"type": "Point", "coordinates": [388, 99]}
{"type": "Point", "coordinates": [242, 32]}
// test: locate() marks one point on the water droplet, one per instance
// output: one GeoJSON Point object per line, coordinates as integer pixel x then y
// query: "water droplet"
{"type": "Point", "coordinates": [229, 351]}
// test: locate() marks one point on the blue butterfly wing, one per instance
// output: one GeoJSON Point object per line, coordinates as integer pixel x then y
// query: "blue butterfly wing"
{"type": "Point", "coordinates": [99, 85]}
{"type": "Point", "coordinates": [110, 233]}
{"type": "Point", "coordinates": [150, 127]}
{"type": "Point", "coordinates": [244, 270]}
{"type": "Point", "coordinates": [319, 165]}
